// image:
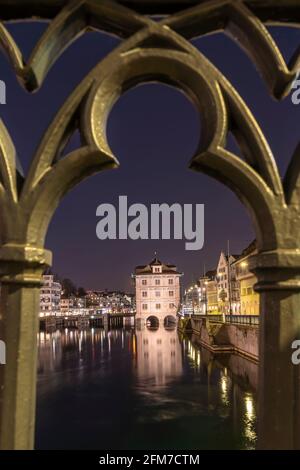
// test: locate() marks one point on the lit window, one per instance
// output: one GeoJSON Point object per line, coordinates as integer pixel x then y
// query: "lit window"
{"type": "Point", "coordinates": [157, 306]}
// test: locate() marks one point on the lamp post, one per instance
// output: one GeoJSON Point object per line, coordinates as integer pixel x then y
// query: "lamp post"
{"type": "Point", "coordinates": [206, 299]}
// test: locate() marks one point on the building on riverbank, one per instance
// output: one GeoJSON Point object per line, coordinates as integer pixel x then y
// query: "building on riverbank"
{"type": "Point", "coordinates": [50, 297]}
{"type": "Point", "coordinates": [249, 298]}
{"type": "Point", "coordinates": [116, 302]}
{"type": "Point", "coordinates": [157, 287]}
{"type": "Point", "coordinates": [228, 285]}
{"type": "Point", "coordinates": [229, 289]}
{"type": "Point", "coordinates": [192, 300]}
{"type": "Point", "coordinates": [211, 292]}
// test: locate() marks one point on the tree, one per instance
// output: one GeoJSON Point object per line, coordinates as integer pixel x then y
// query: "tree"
{"type": "Point", "coordinates": [223, 295]}
{"type": "Point", "coordinates": [81, 292]}
{"type": "Point", "coordinates": [69, 287]}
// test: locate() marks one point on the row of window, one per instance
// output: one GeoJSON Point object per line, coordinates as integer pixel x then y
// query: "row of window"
{"type": "Point", "coordinates": [157, 306]}
{"type": "Point", "coordinates": [250, 308]}
{"type": "Point", "coordinates": [159, 341]}
{"type": "Point", "coordinates": [46, 307]}
{"type": "Point", "coordinates": [247, 291]}
{"type": "Point", "coordinates": [50, 292]}
{"type": "Point", "coordinates": [157, 282]}
{"type": "Point", "coordinates": [223, 286]}
{"type": "Point", "coordinates": [157, 293]}
{"type": "Point", "coordinates": [159, 354]}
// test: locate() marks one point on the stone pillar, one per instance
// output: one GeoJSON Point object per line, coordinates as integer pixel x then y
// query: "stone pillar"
{"type": "Point", "coordinates": [21, 270]}
{"type": "Point", "coordinates": [279, 380]}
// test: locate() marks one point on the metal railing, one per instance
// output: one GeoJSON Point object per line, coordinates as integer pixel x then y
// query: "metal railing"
{"type": "Point", "coordinates": [214, 317]}
{"type": "Point", "coordinates": [252, 320]}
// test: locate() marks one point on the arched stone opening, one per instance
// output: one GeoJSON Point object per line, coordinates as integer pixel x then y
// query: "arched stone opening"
{"type": "Point", "coordinates": [152, 322]}
{"type": "Point", "coordinates": [170, 322]}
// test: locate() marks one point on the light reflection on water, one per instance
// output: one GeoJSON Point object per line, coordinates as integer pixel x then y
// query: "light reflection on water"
{"type": "Point", "coordinates": [127, 389]}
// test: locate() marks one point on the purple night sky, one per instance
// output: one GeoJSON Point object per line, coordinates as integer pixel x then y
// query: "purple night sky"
{"type": "Point", "coordinates": [154, 131]}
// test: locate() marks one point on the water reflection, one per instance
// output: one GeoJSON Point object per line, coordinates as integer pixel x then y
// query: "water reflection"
{"type": "Point", "coordinates": [234, 398]}
{"type": "Point", "coordinates": [250, 418]}
{"type": "Point", "coordinates": [158, 355]}
{"type": "Point", "coordinates": [139, 389]}
{"type": "Point", "coordinates": [224, 384]}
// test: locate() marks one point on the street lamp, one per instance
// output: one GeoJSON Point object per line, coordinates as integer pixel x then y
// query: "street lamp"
{"type": "Point", "coordinates": [205, 290]}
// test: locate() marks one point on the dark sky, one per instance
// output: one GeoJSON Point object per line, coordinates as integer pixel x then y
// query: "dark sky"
{"type": "Point", "coordinates": [154, 131]}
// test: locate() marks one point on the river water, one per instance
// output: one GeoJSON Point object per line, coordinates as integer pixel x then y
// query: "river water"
{"type": "Point", "coordinates": [149, 389]}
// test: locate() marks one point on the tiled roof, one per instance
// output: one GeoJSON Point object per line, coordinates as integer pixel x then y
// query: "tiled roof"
{"type": "Point", "coordinates": [249, 249]}
{"type": "Point", "coordinates": [156, 262]}
{"type": "Point", "coordinates": [212, 273]}
{"type": "Point", "coordinates": [147, 268]}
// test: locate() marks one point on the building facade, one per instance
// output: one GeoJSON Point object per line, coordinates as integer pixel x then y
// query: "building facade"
{"type": "Point", "coordinates": [211, 293]}
{"type": "Point", "coordinates": [92, 298]}
{"type": "Point", "coordinates": [116, 302]}
{"type": "Point", "coordinates": [65, 305]}
{"type": "Point", "coordinates": [228, 285]}
{"type": "Point", "coordinates": [157, 288]}
{"type": "Point", "coordinates": [192, 300]}
{"type": "Point", "coordinates": [249, 298]}
{"type": "Point", "coordinates": [50, 297]}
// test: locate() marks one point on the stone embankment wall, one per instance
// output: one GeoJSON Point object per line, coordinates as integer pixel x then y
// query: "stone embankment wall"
{"type": "Point", "coordinates": [224, 337]}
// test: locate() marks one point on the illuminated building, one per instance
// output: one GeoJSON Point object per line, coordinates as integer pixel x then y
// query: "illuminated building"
{"type": "Point", "coordinates": [228, 285]}
{"type": "Point", "coordinates": [249, 298]}
{"type": "Point", "coordinates": [157, 292]}
{"type": "Point", "coordinates": [65, 305]}
{"type": "Point", "coordinates": [192, 300]}
{"type": "Point", "coordinates": [50, 297]}
{"type": "Point", "coordinates": [212, 293]}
